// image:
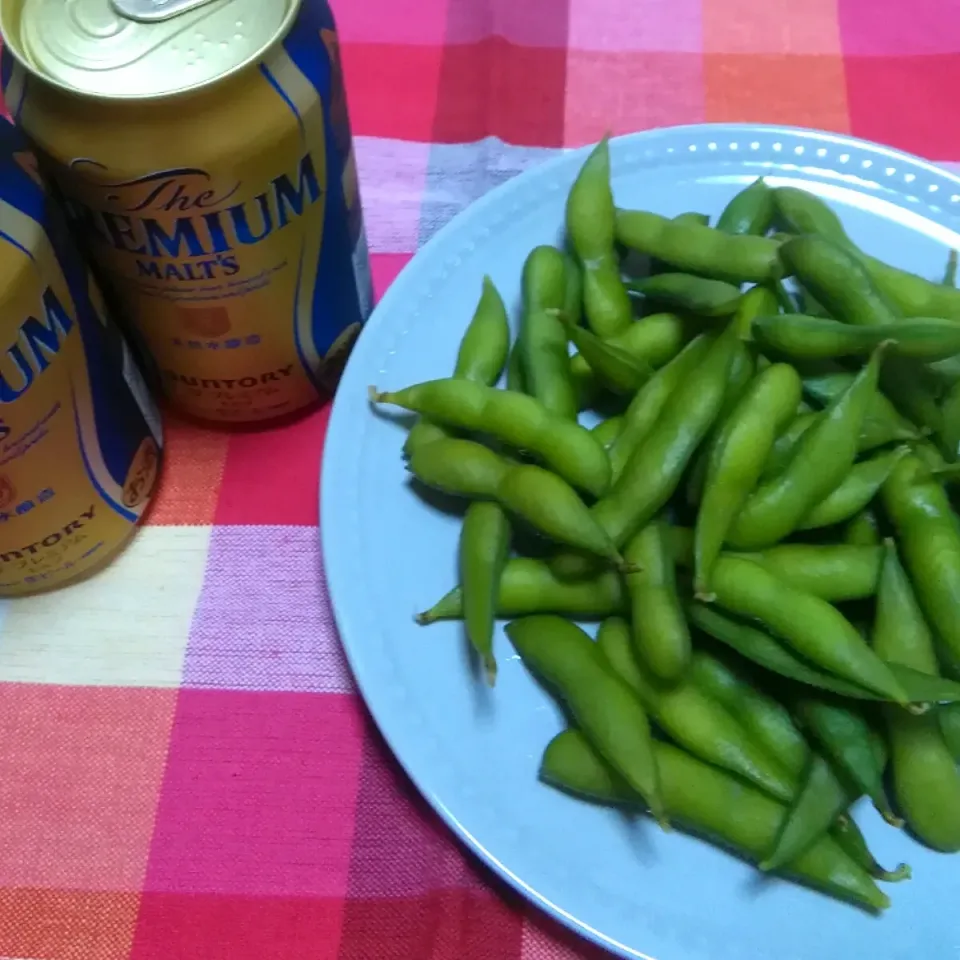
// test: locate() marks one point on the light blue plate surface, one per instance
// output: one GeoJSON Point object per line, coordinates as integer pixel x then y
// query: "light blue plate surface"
{"type": "Point", "coordinates": [474, 753]}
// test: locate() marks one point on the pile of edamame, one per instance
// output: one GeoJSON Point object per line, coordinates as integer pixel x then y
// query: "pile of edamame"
{"type": "Point", "coordinates": [761, 521]}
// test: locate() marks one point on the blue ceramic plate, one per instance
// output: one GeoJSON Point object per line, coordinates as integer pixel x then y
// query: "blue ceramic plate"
{"type": "Point", "coordinates": [474, 753]}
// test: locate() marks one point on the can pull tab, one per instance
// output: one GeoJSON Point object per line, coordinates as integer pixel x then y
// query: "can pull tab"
{"type": "Point", "coordinates": [152, 11]}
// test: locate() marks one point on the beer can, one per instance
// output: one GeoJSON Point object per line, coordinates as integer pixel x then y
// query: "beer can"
{"type": "Point", "coordinates": [80, 438]}
{"type": "Point", "coordinates": [205, 154]}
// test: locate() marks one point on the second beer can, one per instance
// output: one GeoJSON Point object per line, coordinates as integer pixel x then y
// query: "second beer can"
{"type": "Point", "coordinates": [205, 154]}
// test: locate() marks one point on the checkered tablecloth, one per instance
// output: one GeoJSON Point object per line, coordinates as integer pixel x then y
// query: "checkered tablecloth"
{"type": "Point", "coordinates": [186, 772]}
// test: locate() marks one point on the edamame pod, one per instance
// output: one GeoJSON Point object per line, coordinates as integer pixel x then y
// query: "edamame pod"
{"type": "Point", "coordinates": [699, 250]}
{"type": "Point", "coordinates": [824, 456]}
{"type": "Point", "coordinates": [714, 804]}
{"type": "Point", "coordinates": [602, 705]}
{"type": "Point", "coordinates": [653, 341]}
{"type": "Point", "coordinates": [613, 367]}
{"type": "Point", "coordinates": [855, 492]}
{"type": "Point", "coordinates": [696, 295]}
{"type": "Point", "coordinates": [750, 212]}
{"type": "Point", "coordinates": [520, 421]}
{"type": "Point", "coordinates": [484, 548]}
{"type": "Point", "coordinates": [929, 540]}
{"type": "Point", "coordinates": [811, 626]}
{"type": "Point", "coordinates": [528, 586]}
{"type": "Point", "coordinates": [925, 775]}
{"type": "Point", "coordinates": [655, 467]}
{"type": "Point", "coordinates": [693, 719]}
{"type": "Point", "coordinates": [822, 798]}
{"type": "Point", "coordinates": [543, 336]}
{"type": "Point", "coordinates": [760, 648]}
{"type": "Point", "coordinates": [785, 446]}
{"type": "Point", "coordinates": [882, 424]}
{"type": "Point", "coordinates": [837, 279]}
{"type": "Point", "coordinates": [926, 780]}
{"type": "Point", "coordinates": [543, 499]}
{"type": "Point", "coordinates": [832, 572]}
{"type": "Point", "coordinates": [913, 296]}
{"type": "Point", "coordinates": [660, 631]}
{"type": "Point", "coordinates": [645, 408]}
{"type": "Point", "coordinates": [482, 354]}
{"type": "Point", "coordinates": [801, 212]}
{"type": "Point", "coordinates": [736, 461]}
{"type": "Point", "coordinates": [766, 720]}
{"type": "Point", "coordinates": [814, 338]}
{"type": "Point", "coordinates": [590, 226]}
{"type": "Point", "coordinates": [553, 507]}
{"type": "Point", "coordinates": [847, 739]}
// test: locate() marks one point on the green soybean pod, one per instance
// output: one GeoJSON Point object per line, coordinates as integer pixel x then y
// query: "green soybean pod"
{"type": "Point", "coordinates": [785, 445]}
{"type": "Point", "coordinates": [855, 492]}
{"type": "Point", "coordinates": [815, 338]}
{"type": "Point", "coordinates": [929, 542]}
{"type": "Point", "coordinates": [613, 367]}
{"type": "Point", "coordinates": [838, 280]}
{"type": "Point", "coordinates": [810, 625]}
{"type": "Point", "coordinates": [925, 775]}
{"type": "Point", "coordinates": [691, 718]}
{"type": "Point", "coordinates": [652, 474]}
{"type": "Point", "coordinates": [529, 586]}
{"type": "Point", "coordinates": [697, 295]}
{"type": "Point", "coordinates": [590, 226]}
{"type": "Point", "coordinates": [660, 631]}
{"type": "Point", "coordinates": [602, 705]}
{"type": "Point", "coordinates": [713, 804]}
{"type": "Point", "coordinates": [824, 456]}
{"type": "Point", "coordinates": [913, 296]}
{"type": "Point", "coordinates": [519, 421]}
{"type": "Point", "coordinates": [822, 798]}
{"type": "Point", "coordinates": [750, 212]}
{"type": "Point", "coordinates": [832, 572]}
{"type": "Point", "coordinates": [543, 336]}
{"type": "Point", "coordinates": [736, 461]}
{"type": "Point", "coordinates": [482, 355]}
{"type": "Point", "coordinates": [766, 720]}
{"type": "Point", "coordinates": [846, 737]}
{"type": "Point", "coordinates": [484, 548]}
{"type": "Point", "coordinates": [461, 467]}
{"type": "Point", "coordinates": [699, 250]}
{"type": "Point", "coordinates": [645, 408]}
{"type": "Point", "coordinates": [653, 341]}
{"type": "Point", "coordinates": [882, 424]}
{"type": "Point", "coordinates": [801, 212]}
{"type": "Point", "coordinates": [553, 507]}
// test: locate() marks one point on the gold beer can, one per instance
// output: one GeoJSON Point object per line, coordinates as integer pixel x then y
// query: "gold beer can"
{"type": "Point", "coordinates": [79, 436]}
{"type": "Point", "coordinates": [204, 152]}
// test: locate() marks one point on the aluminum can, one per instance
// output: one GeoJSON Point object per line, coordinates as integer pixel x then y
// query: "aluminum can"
{"type": "Point", "coordinates": [204, 152]}
{"type": "Point", "coordinates": [80, 440]}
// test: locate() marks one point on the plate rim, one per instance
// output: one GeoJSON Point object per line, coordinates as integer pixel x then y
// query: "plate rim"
{"type": "Point", "coordinates": [338, 424]}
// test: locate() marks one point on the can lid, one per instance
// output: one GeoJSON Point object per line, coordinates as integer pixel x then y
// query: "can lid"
{"type": "Point", "coordinates": [132, 49]}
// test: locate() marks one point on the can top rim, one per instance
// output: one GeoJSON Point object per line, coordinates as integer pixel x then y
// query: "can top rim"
{"type": "Point", "coordinates": [97, 52]}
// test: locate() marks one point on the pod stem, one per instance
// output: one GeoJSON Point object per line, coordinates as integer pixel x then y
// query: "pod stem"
{"type": "Point", "coordinates": [376, 396]}
{"type": "Point", "coordinates": [490, 670]}
{"type": "Point", "coordinates": [426, 618]}
{"type": "Point", "coordinates": [902, 872]}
